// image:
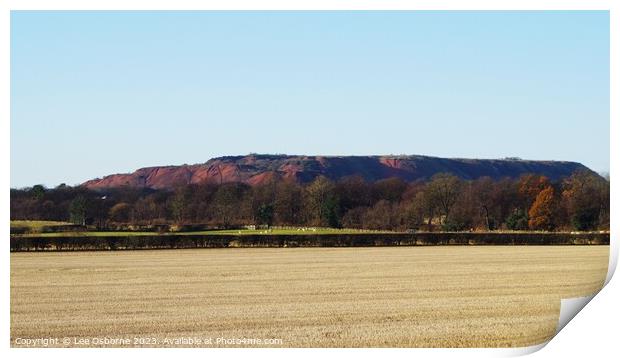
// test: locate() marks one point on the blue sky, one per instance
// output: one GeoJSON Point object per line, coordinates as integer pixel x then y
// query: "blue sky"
{"type": "Point", "coordinates": [97, 93]}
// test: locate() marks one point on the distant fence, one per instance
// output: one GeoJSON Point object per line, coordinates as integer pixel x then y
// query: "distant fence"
{"type": "Point", "coordinates": [167, 241]}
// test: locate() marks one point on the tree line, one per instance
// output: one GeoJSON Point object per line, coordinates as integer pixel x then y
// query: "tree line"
{"type": "Point", "coordinates": [442, 203]}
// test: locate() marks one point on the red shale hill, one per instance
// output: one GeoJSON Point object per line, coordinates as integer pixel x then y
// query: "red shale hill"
{"type": "Point", "coordinates": [256, 169]}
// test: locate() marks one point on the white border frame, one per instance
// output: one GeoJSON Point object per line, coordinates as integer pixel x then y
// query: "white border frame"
{"type": "Point", "coordinates": [576, 340]}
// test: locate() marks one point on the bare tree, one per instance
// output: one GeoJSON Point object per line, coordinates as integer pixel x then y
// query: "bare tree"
{"type": "Point", "coordinates": [443, 189]}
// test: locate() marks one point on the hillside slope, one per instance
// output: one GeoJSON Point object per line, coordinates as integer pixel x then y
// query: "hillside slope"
{"type": "Point", "coordinates": [256, 169]}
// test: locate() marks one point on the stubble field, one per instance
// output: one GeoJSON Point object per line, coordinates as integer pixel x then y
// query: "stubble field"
{"type": "Point", "coordinates": [500, 296]}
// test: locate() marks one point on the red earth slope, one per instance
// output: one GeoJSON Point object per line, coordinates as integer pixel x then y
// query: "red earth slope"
{"type": "Point", "coordinates": [257, 169]}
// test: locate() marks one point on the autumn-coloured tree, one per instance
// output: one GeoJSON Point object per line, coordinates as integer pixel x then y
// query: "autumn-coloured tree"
{"type": "Point", "coordinates": [530, 186]}
{"type": "Point", "coordinates": [542, 210]}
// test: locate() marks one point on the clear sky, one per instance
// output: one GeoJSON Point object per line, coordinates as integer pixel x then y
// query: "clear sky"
{"type": "Point", "coordinates": [97, 93]}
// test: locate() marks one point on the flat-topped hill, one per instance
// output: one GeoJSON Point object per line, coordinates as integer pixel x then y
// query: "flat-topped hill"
{"type": "Point", "coordinates": [255, 169]}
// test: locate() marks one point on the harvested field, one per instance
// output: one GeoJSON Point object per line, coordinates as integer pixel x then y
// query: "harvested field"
{"type": "Point", "coordinates": [449, 296]}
